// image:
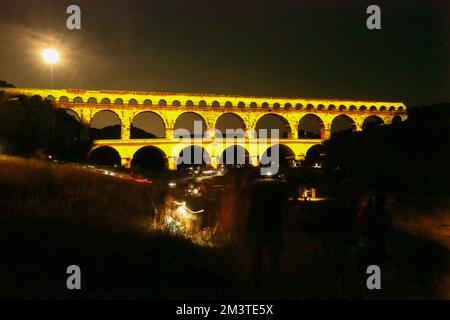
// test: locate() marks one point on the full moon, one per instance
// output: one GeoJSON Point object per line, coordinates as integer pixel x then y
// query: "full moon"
{"type": "Point", "coordinates": [50, 55]}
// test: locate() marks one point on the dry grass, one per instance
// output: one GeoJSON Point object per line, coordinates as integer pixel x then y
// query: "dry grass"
{"type": "Point", "coordinates": [36, 189]}
{"type": "Point", "coordinates": [52, 216]}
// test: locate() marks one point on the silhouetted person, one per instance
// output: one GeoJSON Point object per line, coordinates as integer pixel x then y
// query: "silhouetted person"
{"type": "Point", "coordinates": [264, 234]}
{"type": "Point", "coordinates": [227, 209]}
{"type": "Point", "coordinates": [374, 226]}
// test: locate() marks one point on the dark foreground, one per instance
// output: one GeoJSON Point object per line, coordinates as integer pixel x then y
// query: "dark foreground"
{"type": "Point", "coordinates": [55, 216]}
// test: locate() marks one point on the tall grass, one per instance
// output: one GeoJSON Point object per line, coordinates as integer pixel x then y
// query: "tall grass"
{"type": "Point", "coordinates": [53, 216]}
{"type": "Point", "coordinates": [33, 189]}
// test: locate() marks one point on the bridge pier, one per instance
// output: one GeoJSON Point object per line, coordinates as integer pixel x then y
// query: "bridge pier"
{"type": "Point", "coordinates": [169, 133]}
{"type": "Point", "coordinates": [125, 131]}
{"type": "Point", "coordinates": [254, 160]}
{"type": "Point", "coordinates": [126, 162]}
{"type": "Point", "coordinates": [172, 163]}
{"type": "Point", "coordinates": [325, 133]}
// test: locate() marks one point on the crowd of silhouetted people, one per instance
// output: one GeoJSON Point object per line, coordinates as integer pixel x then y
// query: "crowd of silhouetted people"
{"type": "Point", "coordinates": [252, 211]}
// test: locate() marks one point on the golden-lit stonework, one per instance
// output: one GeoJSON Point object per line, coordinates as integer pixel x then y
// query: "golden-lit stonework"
{"type": "Point", "coordinates": [169, 106]}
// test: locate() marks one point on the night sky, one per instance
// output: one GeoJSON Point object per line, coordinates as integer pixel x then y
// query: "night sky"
{"type": "Point", "coordinates": [318, 49]}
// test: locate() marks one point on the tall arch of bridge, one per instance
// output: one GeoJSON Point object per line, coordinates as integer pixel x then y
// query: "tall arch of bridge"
{"type": "Point", "coordinates": [149, 158]}
{"type": "Point", "coordinates": [230, 121]}
{"type": "Point", "coordinates": [127, 105]}
{"type": "Point", "coordinates": [147, 124]}
{"type": "Point", "coordinates": [343, 122]}
{"type": "Point", "coordinates": [267, 122]}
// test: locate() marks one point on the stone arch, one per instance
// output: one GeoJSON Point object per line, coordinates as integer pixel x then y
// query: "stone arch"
{"type": "Point", "coordinates": [132, 102]}
{"type": "Point", "coordinates": [176, 103]}
{"type": "Point", "coordinates": [149, 158]}
{"type": "Point", "coordinates": [202, 104]}
{"type": "Point", "coordinates": [237, 123]}
{"type": "Point", "coordinates": [310, 126]}
{"type": "Point", "coordinates": [352, 108]}
{"type": "Point", "coordinates": [342, 107]}
{"type": "Point", "coordinates": [265, 105]}
{"type": "Point", "coordinates": [320, 107]}
{"type": "Point", "coordinates": [373, 108]}
{"type": "Point", "coordinates": [277, 157]}
{"type": "Point", "coordinates": [342, 122]}
{"type": "Point", "coordinates": [281, 123]}
{"type": "Point", "coordinates": [50, 98]}
{"type": "Point", "coordinates": [73, 113]}
{"type": "Point", "coordinates": [391, 108]}
{"type": "Point", "coordinates": [77, 100]}
{"type": "Point", "coordinates": [253, 105]}
{"type": "Point", "coordinates": [331, 107]}
{"type": "Point", "coordinates": [105, 101]}
{"type": "Point", "coordinates": [118, 101]}
{"type": "Point", "coordinates": [372, 121]}
{"type": "Point", "coordinates": [314, 155]}
{"type": "Point", "coordinates": [396, 119]}
{"type": "Point", "coordinates": [183, 122]}
{"type": "Point", "coordinates": [147, 125]}
{"type": "Point", "coordinates": [107, 128]}
{"type": "Point", "coordinates": [104, 156]}
{"type": "Point", "coordinates": [235, 155]}
{"type": "Point", "coordinates": [228, 104]}
{"type": "Point", "coordinates": [383, 108]}
{"type": "Point", "coordinates": [147, 102]}
{"type": "Point", "coordinates": [309, 107]}
{"type": "Point", "coordinates": [363, 108]}
{"type": "Point", "coordinates": [193, 156]}
{"type": "Point", "coordinates": [276, 106]}
{"type": "Point", "coordinates": [241, 104]}
{"type": "Point", "coordinates": [189, 103]}
{"type": "Point", "coordinates": [36, 97]}
{"type": "Point", "coordinates": [92, 100]}
{"type": "Point", "coordinates": [162, 103]}
{"type": "Point", "coordinates": [298, 106]}
{"type": "Point", "coordinates": [215, 104]}
{"type": "Point", "coordinates": [287, 106]}
{"type": "Point", "coordinates": [63, 99]}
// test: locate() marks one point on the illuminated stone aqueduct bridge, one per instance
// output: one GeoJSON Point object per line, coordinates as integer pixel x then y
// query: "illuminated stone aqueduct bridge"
{"type": "Point", "coordinates": [169, 106]}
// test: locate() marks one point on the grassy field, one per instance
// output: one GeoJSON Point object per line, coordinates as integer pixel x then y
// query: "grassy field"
{"type": "Point", "coordinates": [53, 216]}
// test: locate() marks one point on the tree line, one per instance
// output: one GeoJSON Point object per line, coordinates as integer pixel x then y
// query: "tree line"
{"type": "Point", "coordinates": [409, 156]}
{"type": "Point", "coordinates": [31, 126]}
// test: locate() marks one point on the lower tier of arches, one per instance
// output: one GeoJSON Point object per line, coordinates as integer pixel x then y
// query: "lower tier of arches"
{"type": "Point", "coordinates": [162, 154]}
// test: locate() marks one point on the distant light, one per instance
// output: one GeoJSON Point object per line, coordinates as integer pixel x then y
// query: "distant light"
{"type": "Point", "coordinates": [50, 55]}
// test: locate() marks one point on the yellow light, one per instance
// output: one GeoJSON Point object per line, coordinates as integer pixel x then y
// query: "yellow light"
{"type": "Point", "coordinates": [50, 56]}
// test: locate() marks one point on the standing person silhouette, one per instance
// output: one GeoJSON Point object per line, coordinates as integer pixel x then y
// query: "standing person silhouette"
{"type": "Point", "coordinates": [374, 226]}
{"type": "Point", "coordinates": [264, 234]}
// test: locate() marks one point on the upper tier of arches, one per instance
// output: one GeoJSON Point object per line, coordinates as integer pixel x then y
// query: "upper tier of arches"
{"type": "Point", "coordinates": [127, 98]}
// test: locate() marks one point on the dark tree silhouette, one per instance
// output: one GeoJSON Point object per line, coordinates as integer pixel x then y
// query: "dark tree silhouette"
{"type": "Point", "coordinates": [138, 133]}
{"type": "Point", "coordinates": [109, 132]}
{"type": "Point", "coordinates": [410, 156]}
{"type": "Point", "coordinates": [5, 84]}
{"type": "Point", "coordinates": [32, 126]}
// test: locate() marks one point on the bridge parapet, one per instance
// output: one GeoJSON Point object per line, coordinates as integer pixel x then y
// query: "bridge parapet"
{"type": "Point", "coordinates": [138, 99]}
